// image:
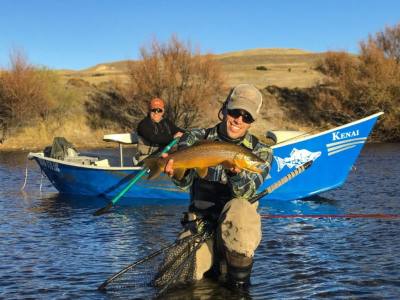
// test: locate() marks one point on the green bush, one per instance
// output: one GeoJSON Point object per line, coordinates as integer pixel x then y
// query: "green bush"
{"type": "Point", "coordinates": [261, 68]}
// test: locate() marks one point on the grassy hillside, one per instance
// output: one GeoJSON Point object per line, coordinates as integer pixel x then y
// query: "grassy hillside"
{"type": "Point", "coordinates": [284, 68]}
{"type": "Point", "coordinates": [262, 67]}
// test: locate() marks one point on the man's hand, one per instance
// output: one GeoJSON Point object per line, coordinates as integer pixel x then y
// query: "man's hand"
{"type": "Point", "coordinates": [235, 170]}
{"type": "Point", "coordinates": [169, 167]}
{"type": "Point", "coordinates": [178, 134]}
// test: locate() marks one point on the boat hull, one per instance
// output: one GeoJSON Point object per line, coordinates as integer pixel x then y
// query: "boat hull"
{"type": "Point", "coordinates": [334, 153]}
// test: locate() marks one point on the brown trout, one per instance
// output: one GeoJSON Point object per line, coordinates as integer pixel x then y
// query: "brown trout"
{"type": "Point", "coordinates": [206, 154]}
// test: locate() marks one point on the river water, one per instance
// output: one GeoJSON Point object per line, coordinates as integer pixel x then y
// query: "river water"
{"type": "Point", "coordinates": [51, 247]}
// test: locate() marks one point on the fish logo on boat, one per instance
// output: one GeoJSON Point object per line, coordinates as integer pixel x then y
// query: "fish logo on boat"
{"type": "Point", "coordinates": [296, 158]}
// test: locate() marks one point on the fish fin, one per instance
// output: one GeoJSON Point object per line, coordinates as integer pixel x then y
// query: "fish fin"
{"type": "Point", "coordinates": [280, 162]}
{"type": "Point", "coordinates": [202, 172]}
{"type": "Point", "coordinates": [155, 167]}
{"type": "Point", "coordinates": [254, 170]}
{"type": "Point", "coordinates": [179, 173]}
{"type": "Point", "coordinates": [239, 161]}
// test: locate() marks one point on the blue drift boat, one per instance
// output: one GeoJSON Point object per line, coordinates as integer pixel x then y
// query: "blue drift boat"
{"type": "Point", "coordinates": [333, 153]}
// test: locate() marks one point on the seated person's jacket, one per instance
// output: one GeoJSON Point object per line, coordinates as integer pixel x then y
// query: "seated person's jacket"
{"type": "Point", "coordinates": [152, 135]}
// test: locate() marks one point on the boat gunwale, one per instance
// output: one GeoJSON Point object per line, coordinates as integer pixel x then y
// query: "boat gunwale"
{"type": "Point", "coordinates": [40, 156]}
{"type": "Point", "coordinates": [312, 136]}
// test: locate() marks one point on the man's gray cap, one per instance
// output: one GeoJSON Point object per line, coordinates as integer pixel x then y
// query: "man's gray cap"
{"type": "Point", "coordinates": [246, 97]}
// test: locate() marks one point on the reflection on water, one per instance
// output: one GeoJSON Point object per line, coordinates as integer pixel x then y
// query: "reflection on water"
{"type": "Point", "coordinates": [53, 248]}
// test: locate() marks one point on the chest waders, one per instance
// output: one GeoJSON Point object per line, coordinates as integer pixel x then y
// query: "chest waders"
{"type": "Point", "coordinates": [213, 195]}
{"type": "Point", "coordinates": [232, 267]}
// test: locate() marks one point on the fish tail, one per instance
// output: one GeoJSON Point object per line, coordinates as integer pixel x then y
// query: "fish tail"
{"type": "Point", "coordinates": [280, 162]}
{"type": "Point", "coordinates": [155, 166]}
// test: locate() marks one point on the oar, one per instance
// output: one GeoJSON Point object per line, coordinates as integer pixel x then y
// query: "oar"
{"type": "Point", "coordinates": [281, 182]}
{"type": "Point", "coordinates": [139, 175]}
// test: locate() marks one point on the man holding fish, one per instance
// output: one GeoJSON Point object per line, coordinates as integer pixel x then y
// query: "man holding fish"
{"type": "Point", "coordinates": [222, 166]}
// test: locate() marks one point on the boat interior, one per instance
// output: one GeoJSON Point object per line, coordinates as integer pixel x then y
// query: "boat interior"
{"type": "Point", "coordinates": [124, 139]}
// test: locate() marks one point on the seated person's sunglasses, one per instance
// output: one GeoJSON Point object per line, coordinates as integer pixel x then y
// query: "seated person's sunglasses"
{"type": "Point", "coordinates": [157, 110]}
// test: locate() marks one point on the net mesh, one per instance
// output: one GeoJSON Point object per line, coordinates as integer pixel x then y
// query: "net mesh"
{"type": "Point", "coordinates": [168, 267]}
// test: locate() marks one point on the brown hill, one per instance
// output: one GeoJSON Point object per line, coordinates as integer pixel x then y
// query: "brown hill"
{"type": "Point", "coordinates": [261, 67]}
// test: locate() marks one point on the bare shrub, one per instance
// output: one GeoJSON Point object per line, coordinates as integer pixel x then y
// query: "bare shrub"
{"type": "Point", "coordinates": [369, 82]}
{"type": "Point", "coordinates": [108, 108]}
{"type": "Point", "coordinates": [31, 95]}
{"type": "Point", "coordinates": [186, 79]}
{"type": "Point", "coordinates": [388, 41]}
{"type": "Point", "coordinates": [24, 93]}
{"type": "Point", "coordinates": [189, 82]}
{"type": "Point", "coordinates": [342, 68]}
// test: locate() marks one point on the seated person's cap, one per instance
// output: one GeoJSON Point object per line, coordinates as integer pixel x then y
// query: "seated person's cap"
{"type": "Point", "coordinates": [246, 97]}
{"type": "Point", "coordinates": [157, 103]}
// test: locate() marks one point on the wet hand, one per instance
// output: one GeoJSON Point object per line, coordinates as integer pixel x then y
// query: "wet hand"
{"type": "Point", "coordinates": [169, 167]}
{"type": "Point", "coordinates": [235, 170]}
{"type": "Point", "coordinates": [178, 134]}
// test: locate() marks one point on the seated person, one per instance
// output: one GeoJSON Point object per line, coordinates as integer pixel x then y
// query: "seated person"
{"type": "Point", "coordinates": [154, 131]}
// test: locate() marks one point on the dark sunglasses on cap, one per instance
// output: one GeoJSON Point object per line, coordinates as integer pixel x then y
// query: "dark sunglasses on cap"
{"type": "Point", "coordinates": [236, 113]}
{"type": "Point", "coordinates": [157, 110]}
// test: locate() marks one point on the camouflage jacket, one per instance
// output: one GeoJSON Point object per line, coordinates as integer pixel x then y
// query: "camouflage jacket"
{"type": "Point", "coordinates": [244, 184]}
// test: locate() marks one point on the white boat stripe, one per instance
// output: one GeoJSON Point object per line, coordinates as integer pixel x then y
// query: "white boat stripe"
{"type": "Point", "coordinates": [343, 146]}
{"type": "Point", "coordinates": [340, 150]}
{"type": "Point", "coordinates": [346, 141]}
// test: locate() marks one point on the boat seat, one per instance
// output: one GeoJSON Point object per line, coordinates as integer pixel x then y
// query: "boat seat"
{"type": "Point", "coordinates": [81, 160]}
{"type": "Point", "coordinates": [102, 163]}
{"type": "Point", "coordinates": [280, 136]}
{"type": "Point", "coordinates": [123, 138]}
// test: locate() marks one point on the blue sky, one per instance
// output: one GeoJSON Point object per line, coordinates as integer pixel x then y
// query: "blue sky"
{"type": "Point", "coordinates": [76, 34]}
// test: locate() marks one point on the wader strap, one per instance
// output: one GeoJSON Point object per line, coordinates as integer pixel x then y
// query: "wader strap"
{"type": "Point", "coordinates": [214, 193]}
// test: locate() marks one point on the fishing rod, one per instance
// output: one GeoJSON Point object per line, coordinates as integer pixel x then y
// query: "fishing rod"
{"type": "Point", "coordinates": [333, 216]}
{"type": "Point", "coordinates": [308, 132]}
{"type": "Point", "coordinates": [135, 179]}
{"type": "Point", "coordinates": [282, 181]}
{"type": "Point", "coordinates": [302, 134]}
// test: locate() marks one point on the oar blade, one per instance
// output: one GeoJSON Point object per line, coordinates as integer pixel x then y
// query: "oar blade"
{"type": "Point", "coordinates": [103, 210]}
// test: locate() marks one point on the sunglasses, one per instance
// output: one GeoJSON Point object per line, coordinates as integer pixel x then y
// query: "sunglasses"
{"type": "Point", "coordinates": [156, 110]}
{"type": "Point", "coordinates": [236, 113]}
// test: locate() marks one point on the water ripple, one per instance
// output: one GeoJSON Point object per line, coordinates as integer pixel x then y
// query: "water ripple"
{"type": "Point", "coordinates": [53, 248]}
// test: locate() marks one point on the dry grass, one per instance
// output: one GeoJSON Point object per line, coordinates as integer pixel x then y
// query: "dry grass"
{"type": "Point", "coordinates": [36, 138]}
{"type": "Point", "coordinates": [285, 68]}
